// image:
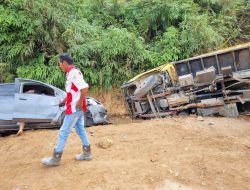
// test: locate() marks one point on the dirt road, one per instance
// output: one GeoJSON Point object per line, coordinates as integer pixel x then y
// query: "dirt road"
{"type": "Point", "coordinates": [174, 153]}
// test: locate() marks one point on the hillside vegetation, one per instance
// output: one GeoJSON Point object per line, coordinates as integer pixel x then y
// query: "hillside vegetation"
{"type": "Point", "coordinates": [112, 41]}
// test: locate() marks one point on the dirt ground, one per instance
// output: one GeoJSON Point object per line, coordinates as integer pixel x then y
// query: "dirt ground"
{"type": "Point", "coordinates": [180, 153]}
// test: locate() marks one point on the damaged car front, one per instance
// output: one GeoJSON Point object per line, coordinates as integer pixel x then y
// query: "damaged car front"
{"type": "Point", "coordinates": [37, 104]}
{"type": "Point", "coordinates": [216, 83]}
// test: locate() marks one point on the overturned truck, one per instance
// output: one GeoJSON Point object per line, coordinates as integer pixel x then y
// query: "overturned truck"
{"type": "Point", "coordinates": [216, 83]}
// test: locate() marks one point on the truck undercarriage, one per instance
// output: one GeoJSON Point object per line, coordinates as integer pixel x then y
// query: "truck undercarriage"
{"type": "Point", "coordinates": [216, 83]}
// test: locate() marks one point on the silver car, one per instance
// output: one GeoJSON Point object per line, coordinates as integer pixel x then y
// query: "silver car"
{"type": "Point", "coordinates": [37, 104]}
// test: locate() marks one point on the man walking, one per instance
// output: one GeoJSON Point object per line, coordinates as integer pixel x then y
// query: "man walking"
{"type": "Point", "coordinates": [75, 101]}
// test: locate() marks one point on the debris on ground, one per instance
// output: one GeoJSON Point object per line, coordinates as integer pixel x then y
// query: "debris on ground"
{"type": "Point", "coordinates": [105, 143]}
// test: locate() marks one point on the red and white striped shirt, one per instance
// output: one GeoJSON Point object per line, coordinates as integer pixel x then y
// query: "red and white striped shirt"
{"type": "Point", "coordinates": [74, 84]}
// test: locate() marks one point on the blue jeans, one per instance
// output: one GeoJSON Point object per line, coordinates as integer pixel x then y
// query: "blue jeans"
{"type": "Point", "coordinates": [76, 119]}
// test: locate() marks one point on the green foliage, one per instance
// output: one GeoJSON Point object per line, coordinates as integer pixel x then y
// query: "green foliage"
{"type": "Point", "coordinates": [6, 74]}
{"type": "Point", "coordinates": [113, 40]}
{"type": "Point", "coordinates": [49, 73]}
{"type": "Point", "coordinates": [197, 36]}
{"type": "Point", "coordinates": [122, 53]}
{"type": "Point", "coordinates": [167, 47]}
{"type": "Point", "coordinates": [243, 20]}
{"type": "Point", "coordinates": [107, 57]}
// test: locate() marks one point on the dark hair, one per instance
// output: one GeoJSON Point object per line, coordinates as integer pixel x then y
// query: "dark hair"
{"type": "Point", "coordinates": [66, 57]}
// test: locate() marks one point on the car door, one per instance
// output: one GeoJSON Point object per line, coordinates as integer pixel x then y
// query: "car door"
{"type": "Point", "coordinates": [35, 107]}
{"type": "Point", "coordinates": [6, 101]}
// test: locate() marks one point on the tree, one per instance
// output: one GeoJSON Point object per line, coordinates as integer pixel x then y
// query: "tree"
{"type": "Point", "coordinates": [112, 40]}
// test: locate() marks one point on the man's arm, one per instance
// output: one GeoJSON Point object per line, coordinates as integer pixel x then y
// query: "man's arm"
{"type": "Point", "coordinates": [83, 92]}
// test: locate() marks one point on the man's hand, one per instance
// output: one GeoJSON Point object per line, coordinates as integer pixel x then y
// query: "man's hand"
{"type": "Point", "coordinates": [79, 104]}
{"type": "Point", "coordinates": [62, 103]}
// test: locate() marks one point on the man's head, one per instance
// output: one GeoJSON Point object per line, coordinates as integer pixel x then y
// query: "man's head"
{"type": "Point", "coordinates": [65, 61]}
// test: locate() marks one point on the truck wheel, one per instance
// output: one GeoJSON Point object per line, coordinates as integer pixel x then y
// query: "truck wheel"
{"type": "Point", "coordinates": [183, 113]}
{"type": "Point", "coordinates": [148, 84]}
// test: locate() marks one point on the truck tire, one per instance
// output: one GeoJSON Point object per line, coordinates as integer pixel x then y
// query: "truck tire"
{"type": "Point", "coordinates": [148, 84]}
